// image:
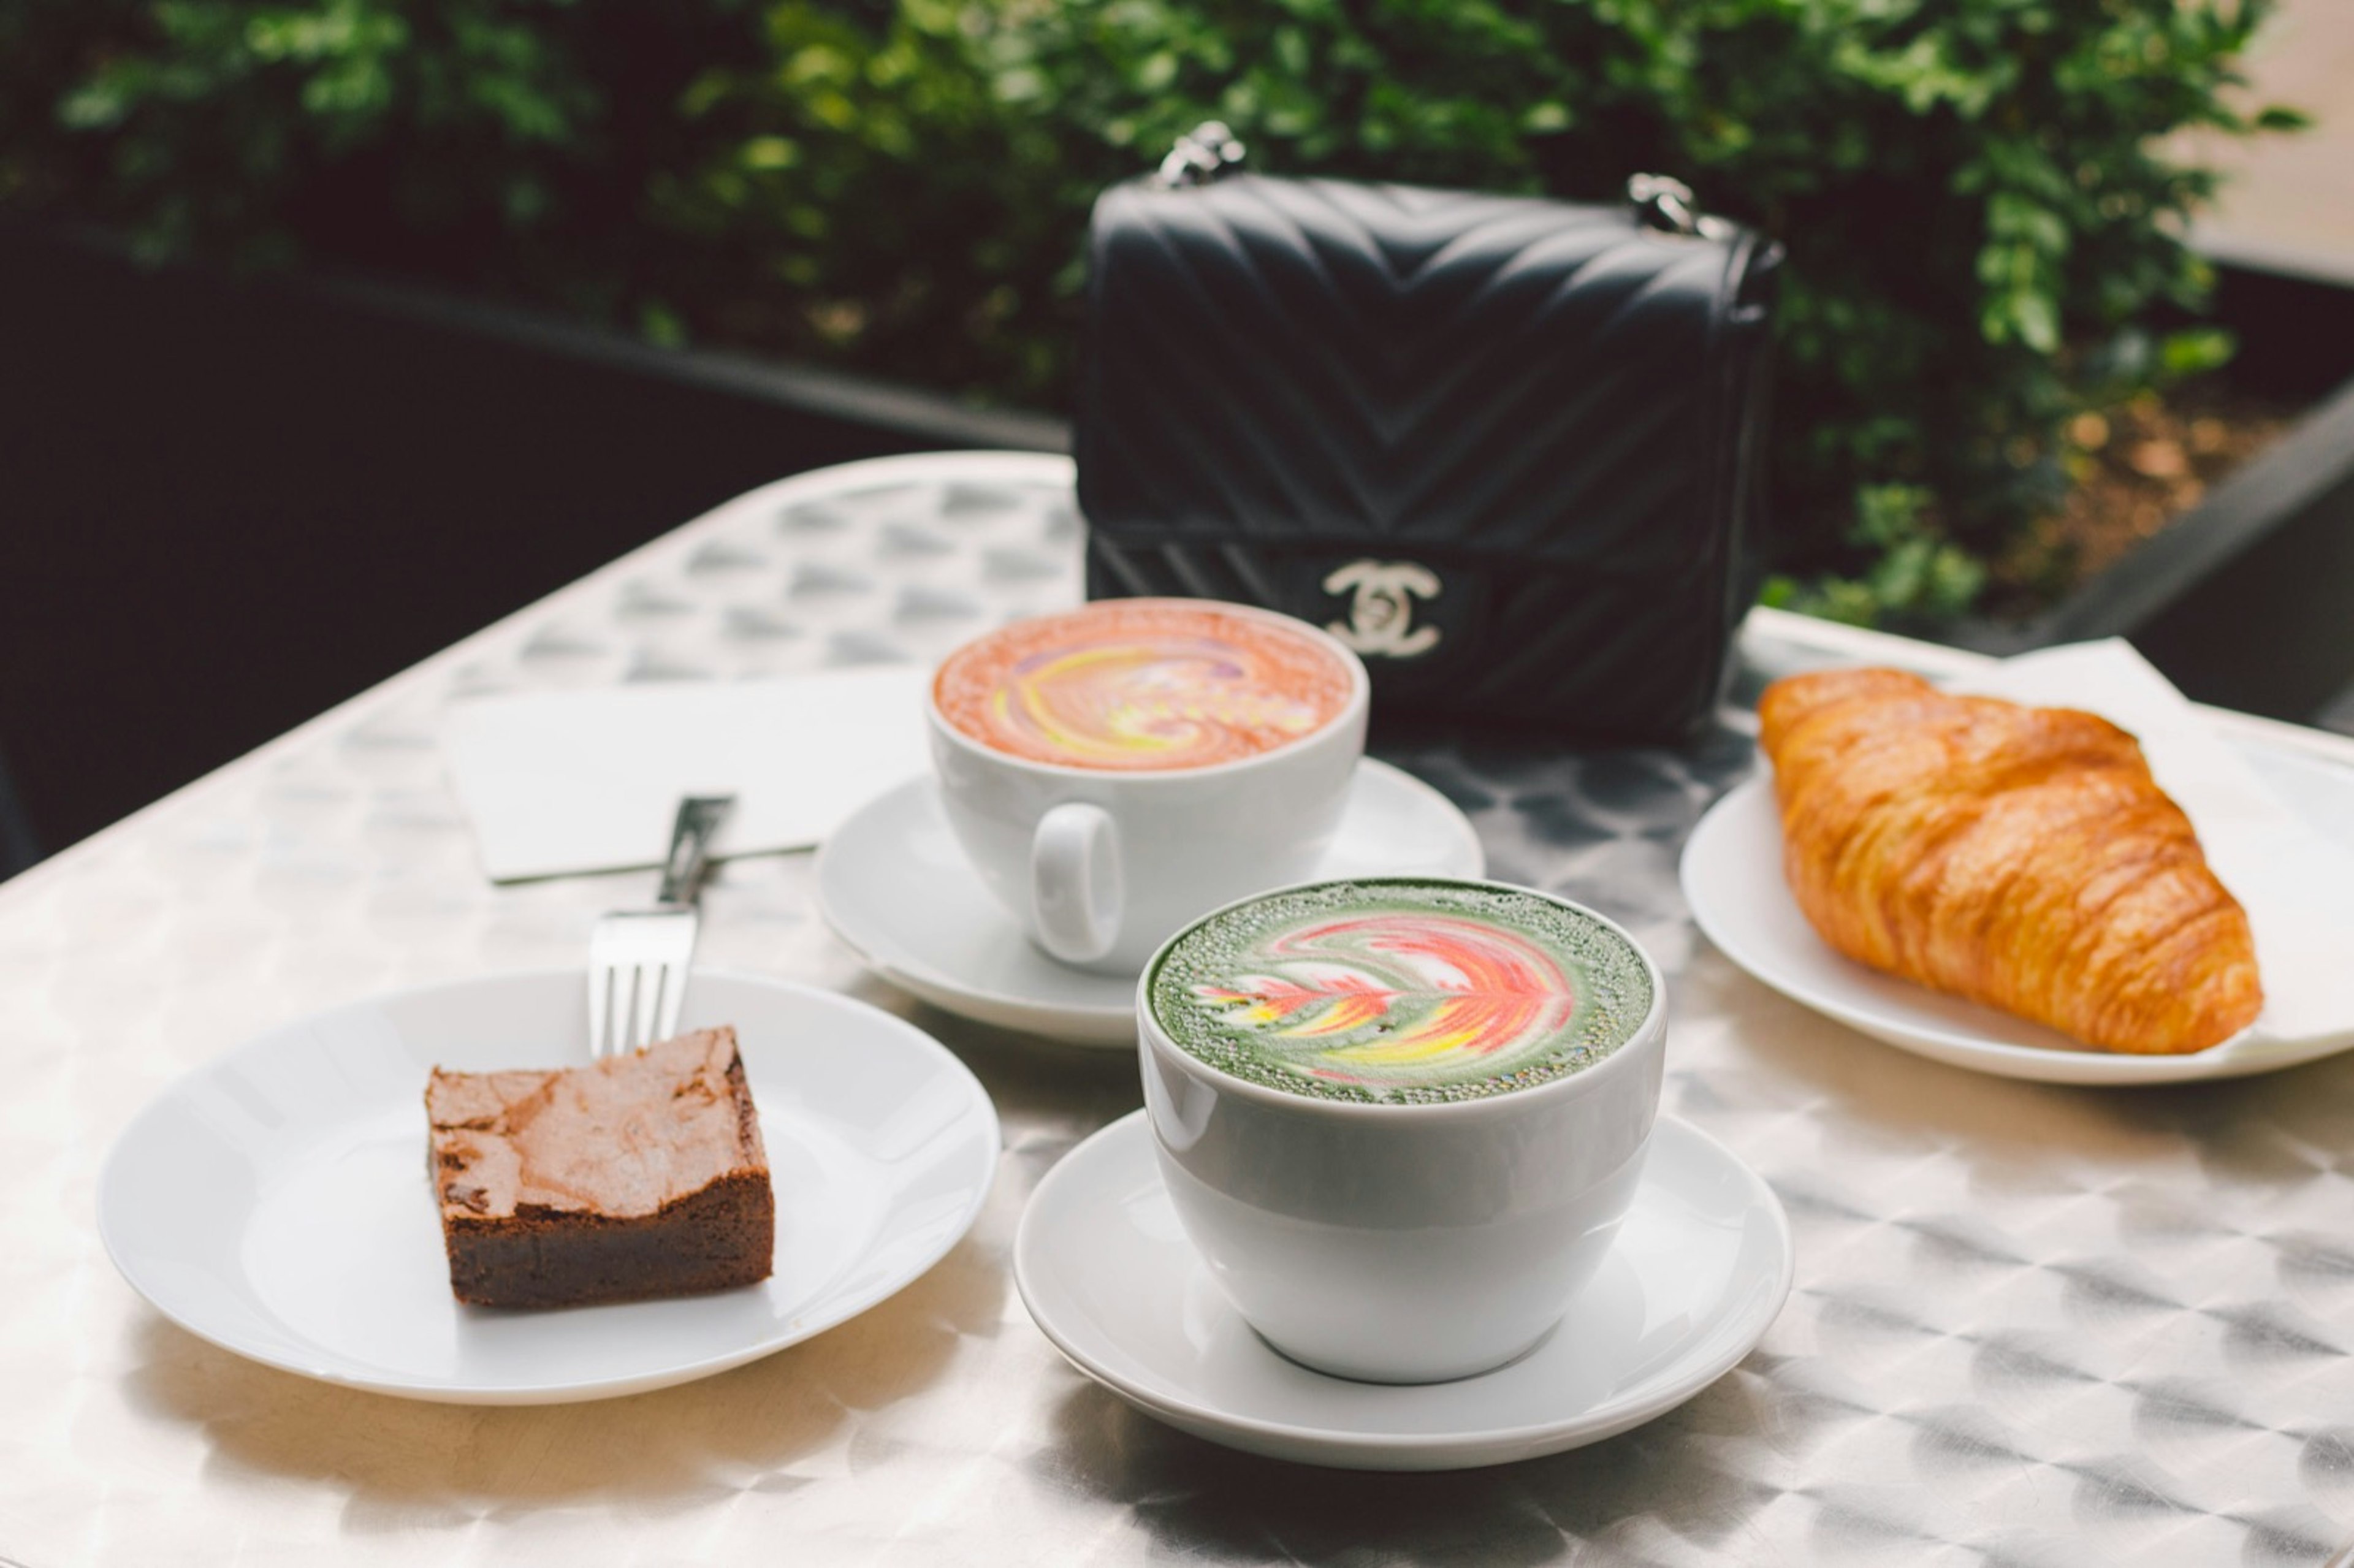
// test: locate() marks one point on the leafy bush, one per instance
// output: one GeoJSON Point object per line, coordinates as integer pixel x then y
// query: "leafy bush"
{"type": "Point", "coordinates": [505, 144]}
{"type": "Point", "coordinates": [1980, 197]}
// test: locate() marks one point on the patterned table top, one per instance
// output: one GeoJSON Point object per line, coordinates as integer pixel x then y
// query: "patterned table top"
{"type": "Point", "coordinates": [2032, 1326]}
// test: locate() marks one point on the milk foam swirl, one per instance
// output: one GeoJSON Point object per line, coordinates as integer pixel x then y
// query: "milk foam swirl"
{"type": "Point", "coordinates": [1418, 992]}
{"type": "Point", "coordinates": [1142, 685]}
{"type": "Point", "coordinates": [1398, 998]}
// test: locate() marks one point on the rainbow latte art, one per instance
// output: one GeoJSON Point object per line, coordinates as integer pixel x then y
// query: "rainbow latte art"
{"type": "Point", "coordinates": [1135, 684]}
{"type": "Point", "coordinates": [1401, 990]}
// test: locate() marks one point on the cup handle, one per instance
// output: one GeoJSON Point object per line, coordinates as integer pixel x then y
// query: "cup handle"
{"type": "Point", "coordinates": [1075, 882]}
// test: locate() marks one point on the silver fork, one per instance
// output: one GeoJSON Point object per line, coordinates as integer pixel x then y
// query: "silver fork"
{"type": "Point", "coordinates": [638, 959]}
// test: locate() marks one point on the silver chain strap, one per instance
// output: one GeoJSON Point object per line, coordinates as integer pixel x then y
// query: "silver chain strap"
{"type": "Point", "coordinates": [1661, 203]}
{"type": "Point", "coordinates": [1200, 156]}
{"type": "Point", "coordinates": [1668, 205]}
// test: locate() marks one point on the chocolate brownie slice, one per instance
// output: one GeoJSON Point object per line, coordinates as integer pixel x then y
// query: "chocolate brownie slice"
{"type": "Point", "coordinates": [639, 1175]}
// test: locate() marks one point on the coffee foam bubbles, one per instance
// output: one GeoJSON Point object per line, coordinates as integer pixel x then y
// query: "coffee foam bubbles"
{"type": "Point", "coordinates": [1400, 991]}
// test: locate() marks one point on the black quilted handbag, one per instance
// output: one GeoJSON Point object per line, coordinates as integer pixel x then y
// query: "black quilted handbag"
{"type": "Point", "coordinates": [1506, 447]}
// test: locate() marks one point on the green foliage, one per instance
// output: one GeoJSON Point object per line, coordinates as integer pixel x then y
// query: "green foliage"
{"type": "Point", "coordinates": [505, 144]}
{"type": "Point", "coordinates": [1917, 574]}
{"type": "Point", "coordinates": [1979, 197]}
{"type": "Point", "coordinates": [212, 127]}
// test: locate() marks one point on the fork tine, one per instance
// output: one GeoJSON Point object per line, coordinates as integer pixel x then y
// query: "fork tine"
{"type": "Point", "coordinates": [674, 998]}
{"type": "Point", "coordinates": [625, 1004]}
{"type": "Point", "coordinates": [649, 998]}
{"type": "Point", "coordinates": [601, 987]}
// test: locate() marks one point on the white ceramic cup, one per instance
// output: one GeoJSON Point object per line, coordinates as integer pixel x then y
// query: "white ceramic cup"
{"type": "Point", "coordinates": [1404, 1242]}
{"type": "Point", "coordinates": [1100, 865]}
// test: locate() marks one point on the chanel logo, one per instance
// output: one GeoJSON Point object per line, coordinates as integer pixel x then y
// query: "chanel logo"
{"type": "Point", "coordinates": [1381, 617]}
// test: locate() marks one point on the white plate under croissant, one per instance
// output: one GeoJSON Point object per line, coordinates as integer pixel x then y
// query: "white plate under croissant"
{"type": "Point", "coordinates": [1733, 880]}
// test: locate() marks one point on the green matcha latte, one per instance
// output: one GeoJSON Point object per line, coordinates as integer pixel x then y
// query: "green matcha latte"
{"type": "Point", "coordinates": [1396, 990]}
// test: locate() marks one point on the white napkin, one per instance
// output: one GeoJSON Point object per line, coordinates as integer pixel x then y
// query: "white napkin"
{"type": "Point", "coordinates": [558, 782]}
{"type": "Point", "coordinates": [2296, 885]}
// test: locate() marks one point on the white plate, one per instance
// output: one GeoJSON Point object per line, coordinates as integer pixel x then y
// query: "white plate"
{"type": "Point", "coordinates": [895, 886]}
{"type": "Point", "coordinates": [275, 1200]}
{"type": "Point", "coordinates": [1698, 1272]}
{"type": "Point", "coordinates": [1733, 881]}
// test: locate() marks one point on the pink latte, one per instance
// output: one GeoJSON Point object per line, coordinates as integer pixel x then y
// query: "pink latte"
{"type": "Point", "coordinates": [1141, 685]}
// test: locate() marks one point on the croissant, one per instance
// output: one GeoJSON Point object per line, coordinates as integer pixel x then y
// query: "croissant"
{"type": "Point", "coordinates": [2020, 857]}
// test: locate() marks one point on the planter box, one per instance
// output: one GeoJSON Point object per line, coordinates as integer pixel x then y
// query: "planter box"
{"type": "Point", "coordinates": [225, 506]}
{"type": "Point", "coordinates": [2247, 600]}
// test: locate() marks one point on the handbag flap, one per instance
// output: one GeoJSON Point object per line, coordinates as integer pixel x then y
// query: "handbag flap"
{"type": "Point", "coordinates": [1390, 366]}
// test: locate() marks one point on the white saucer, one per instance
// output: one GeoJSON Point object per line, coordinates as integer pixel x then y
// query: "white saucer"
{"type": "Point", "coordinates": [1733, 880]}
{"type": "Point", "coordinates": [275, 1200]}
{"type": "Point", "coordinates": [1698, 1272]}
{"type": "Point", "coordinates": [895, 886]}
